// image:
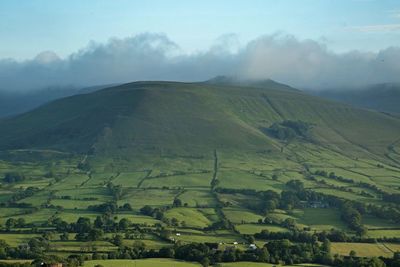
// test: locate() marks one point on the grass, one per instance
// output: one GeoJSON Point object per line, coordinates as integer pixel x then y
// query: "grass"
{"type": "Point", "coordinates": [185, 180]}
{"type": "Point", "coordinates": [258, 264]}
{"type": "Point", "coordinates": [140, 263]}
{"type": "Point", "coordinates": [239, 216]}
{"type": "Point", "coordinates": [226, 237]}
{"type": "Point", "coordinates": [383, 233]}
{"type": "Point", "coordinates": [16, 239]}
{"type": "Point", "coordinates": [153, 197]}
{"type": "Point", "coordinates": [320, 219]}
{"type": "Point", "coordinates": [191, 216]}
{"type": "Point", "coordinates": [239, 179]}
{"type": "Point", "coordinates": [251, 229]}
{"type": "Point", "coordinates": [362, 249]}
{"type": "Point", "coordinates": [376, 223]}
{"type": "Point", "coordinates": [129, 179]}
{"type": "Point", "coordinates": [73, 246]}
{"type": "Point", "coordinates": [198, 198]}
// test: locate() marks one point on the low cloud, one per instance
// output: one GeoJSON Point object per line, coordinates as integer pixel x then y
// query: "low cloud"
{"type": "Point", "coordinates": [300, 63]}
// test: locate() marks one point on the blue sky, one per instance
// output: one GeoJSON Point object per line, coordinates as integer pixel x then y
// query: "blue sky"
{"type": "Point", "coordinates": [30, 27]}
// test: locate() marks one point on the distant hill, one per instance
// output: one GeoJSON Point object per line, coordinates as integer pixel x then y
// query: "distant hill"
{"type": "Point", "coordinates": [12, 103]}
{"type": "Point", "coordinates": [233, 81]}
{"type": "Point", "coordinates": [381, 97]}
{"type": "Point", "coordinates": [191, 118]}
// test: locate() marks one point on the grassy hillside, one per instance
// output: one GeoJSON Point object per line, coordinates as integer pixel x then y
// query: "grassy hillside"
{"type": "Point", "coordinates": [192, 118]}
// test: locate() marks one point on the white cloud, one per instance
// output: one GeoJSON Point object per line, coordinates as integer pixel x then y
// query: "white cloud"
{"type": "Point", "coordinates": [301, 63]}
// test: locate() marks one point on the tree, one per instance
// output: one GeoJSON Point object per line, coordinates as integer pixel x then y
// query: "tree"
{"type": "Point", "coordinates": [127, 207]}
{"type": "Point", "coordinates": [326, 246]}
{"type": "Point", "coordinates": [124, 224]}
{"type": "Point", "coordinates": [146, 210]}
{"type": "Point", "coordinates": [296, 185]}
{"type": "Point", "coordinates": [166, 252]}
{"type": "Point", "coordinates": [262, 255]}
{"type": "Point", "coordinates": [13, 177]}
{"type": "Point", "coordinates": [175, 222]}
{"type": "Point", "coordinates": [117, 240]}
{"type": "Point", "coordinates": [177, 202]}
{"type": "Point", "coordinates": [362, 231]}
{"type": "Point", "coordinates": [99, 222]}
{"type": "Point", "coordinates": [95, 234]}
{"type": "Point", "coordinates": [375, 262]}
{"type": "Point", "coordinates": [10, 223]}
{"type": "Point", "coordinates": [205, 262]}
{"type": "Point", "coordinates": [269, 206]}
{"type": "Point", "coordinates": [20, 222]}
{"type": "Point", "coordinates": [64, 236]}
{"type": "Point", "coordinates": [83, 225]}
{"type": "Point", "coordinates": [289, 223]}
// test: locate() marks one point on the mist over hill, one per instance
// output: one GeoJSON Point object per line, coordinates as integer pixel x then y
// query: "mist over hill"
{"type": "Point", "coordinates": [16, 102]}
{"type": "Point", "coordinates": [382, 97]}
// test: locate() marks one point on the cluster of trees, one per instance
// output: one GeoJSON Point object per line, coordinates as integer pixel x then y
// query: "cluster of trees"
{"type": "Point", "coordinates": [276, 251]}
{"type": "Point", "coordinates": [333, 176]}
{"type": "Point", "coordinates": [110, 207]}
{"type": "Point", "coordinates": [297, 235]}
{"type": "Point", "coordinates": [36, 249]}
{"type": "Point", "coordinates": [353, 218]}
{"type": "Point", "coordinates": [296, 196]}
{"type": "Point", "coordinates": [86, 230]}
{"type": "Point", "coordinates": [288, 130]}
{"type": "Point", "coordinates": [21, 194]}
{"type": "Point", "coordinates": [33, 249]}
{"type": "Point", "coordinates": [158, 213]}
{"type": "Point", "coordinates": [15, 223]}
{"type": "Point", "coordinates": [393, 198]}
{"type": "Point", "coordinates": [114, 190]}
{"type": "Point", "coordinates": [388, 197]}
{"type": "Point", "coordinates": [13, 177]}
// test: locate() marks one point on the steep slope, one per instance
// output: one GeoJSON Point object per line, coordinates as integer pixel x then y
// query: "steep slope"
{"type": "Point", "coordinates": [191, 118]}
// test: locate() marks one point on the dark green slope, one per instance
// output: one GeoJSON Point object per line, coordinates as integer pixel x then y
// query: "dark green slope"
{"type": "Point", "coordinates": [192, 118]}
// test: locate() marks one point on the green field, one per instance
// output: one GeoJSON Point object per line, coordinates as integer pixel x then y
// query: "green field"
{"type": "Point", "coordinates": [140, 263]}
{"type": "Point", "coordinates": [366, 250]}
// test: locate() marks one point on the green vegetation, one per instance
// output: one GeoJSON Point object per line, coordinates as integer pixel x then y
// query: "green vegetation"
{"type": "Point", "coordinates": [140, 263]}
{"type": "Point", "coordinates": [199, 172]}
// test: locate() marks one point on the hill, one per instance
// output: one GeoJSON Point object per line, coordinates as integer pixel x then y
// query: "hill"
{"type": "Point", "coordinates": [380, 97]}
{"type": "Point", "coordinates": [192, 117]}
